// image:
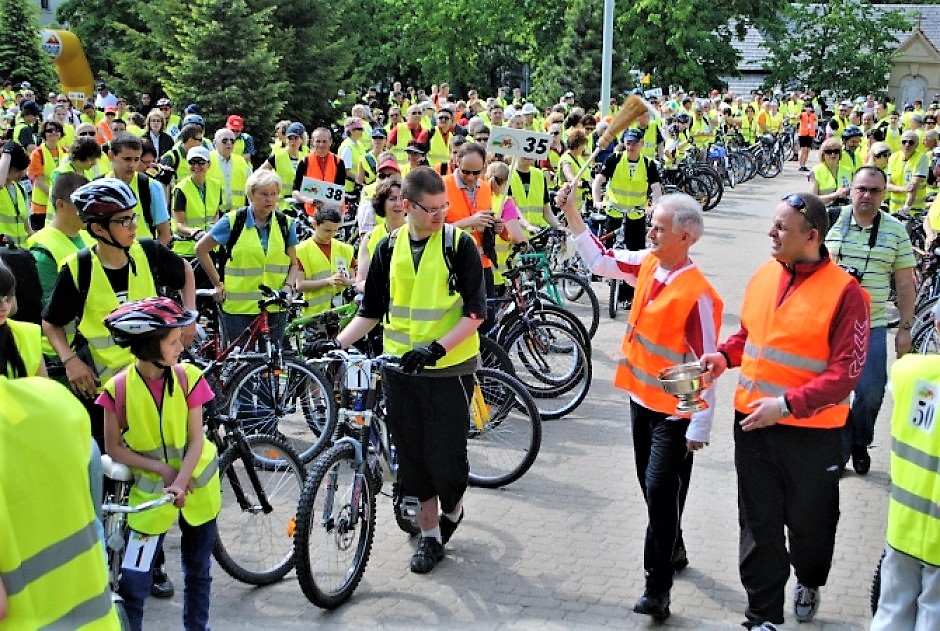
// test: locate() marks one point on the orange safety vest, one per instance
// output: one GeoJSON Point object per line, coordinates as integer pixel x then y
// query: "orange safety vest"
{"type": "Point", "coordinates": [787, 346]}
{"type": "Point", "coordinates": [807, 124]}
{"type": "Point", "coordinates": [313, 170]}
{"type": "Point", "coordinates": [460, 208]}
{"type": "Point", "coordinates": [655, 337]}
{"type": "Point", "coordinates": [104, 133]}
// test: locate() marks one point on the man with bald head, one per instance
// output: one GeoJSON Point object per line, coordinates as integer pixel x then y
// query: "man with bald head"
{"type": "Point", "coordinates": [230, 169]}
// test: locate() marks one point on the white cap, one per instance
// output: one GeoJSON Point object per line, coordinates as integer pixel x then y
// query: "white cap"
{"type": "Point", "coordinates": [529, 108]}
{"type": "Point", "coordinates": [197, 152]}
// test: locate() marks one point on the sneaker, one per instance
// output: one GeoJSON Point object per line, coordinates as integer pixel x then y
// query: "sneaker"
{"type": "Point", "coordinates": [766, 625]}
{"type": "Point", "coordinates": [805, 602]}
{"type": "Point", "coordinates": [429, 553]}
{"type": "Point", "coordinates": [162, 586]}
{"type": "Point", "coordinates": [680, 558]}
{"type": "Point", "coordinates": [804, 169]}
{"type": "Point", "coordinates": [448, 527]}
{"type": "Point", "coordinates": [861, 461]}
{"type": "Point", "coordinates": [653, 604]}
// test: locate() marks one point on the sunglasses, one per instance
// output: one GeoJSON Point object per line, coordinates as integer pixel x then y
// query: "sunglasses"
{"type": "Point", "coordinates": [468, 172]}
{"type": "Point", "coordinates": [197, 163]}
{"type": "Point", "coordinates": [51, 130]}
{"type": "Point", "coordinates": [908, 142]}
{"type": "Point", "coordinates": [383, 176]}
{"type": "Point", "coordinates": [883, 154]}
{"type": "Point", "coordinates": [444, 118]}
{"type": "Point", "coordinates": [832, 152]}
{"type": "Point", "coordinates": [227, 141]}
{"type": "Point", "coordinates": [87, 133]}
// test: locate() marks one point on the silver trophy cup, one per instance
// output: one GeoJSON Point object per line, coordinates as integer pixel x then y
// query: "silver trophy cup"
{"type": "Point", "coordinates": [686, 382]}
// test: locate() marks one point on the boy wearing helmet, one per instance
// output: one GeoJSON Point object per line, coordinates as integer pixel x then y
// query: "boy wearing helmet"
{"type": "Point", "coordinates": [153, 424]}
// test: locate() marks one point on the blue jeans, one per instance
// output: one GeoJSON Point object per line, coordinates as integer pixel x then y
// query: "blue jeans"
{"type": "Point", "coordinates": [196, 552]}
{"type": "Point", "coordinates": [234, 324]}
{"type": "Point", "coordinates": [869, 393]}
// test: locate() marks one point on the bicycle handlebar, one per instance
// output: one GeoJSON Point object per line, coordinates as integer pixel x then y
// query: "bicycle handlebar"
{"type": "Point", "coordinates": [279, 298]}
{"type": "Point", "coordinates": [109, 507]}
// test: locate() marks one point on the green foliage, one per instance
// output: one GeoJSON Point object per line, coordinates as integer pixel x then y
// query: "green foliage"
{"type": "Point", "coordinates": [844, 46]}
{"type": "Point", "coordinates": [205, 68]}
{"type": "Point", "coordinates": [21, 58]}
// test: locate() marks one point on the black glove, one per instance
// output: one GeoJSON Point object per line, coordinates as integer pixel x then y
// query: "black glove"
{"type": "Point", "coordinates": [319, 348]}
{"type": "Point", "coordinates": [416, 359]}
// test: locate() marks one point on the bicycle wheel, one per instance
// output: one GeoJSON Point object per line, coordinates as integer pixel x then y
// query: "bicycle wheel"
{"type": "Point", "coordinates": [585, 304]}
{"type": "Point", "coordinates": [292, 402]}
{"type": "Point", "coordinates": [505, 430]}
{"type": "Point", "coordinates": [613, 302]}
{"type": "Point", "coordinates": [492, 355]}
{"type": "Point", "coordinates": [335, 528]}
{"type": "Point", "coordinates": [713, 183]}
{"type": "Point", "coordinates": [255, 544]}
{"type": "Point", "coordinates": [553, 365]}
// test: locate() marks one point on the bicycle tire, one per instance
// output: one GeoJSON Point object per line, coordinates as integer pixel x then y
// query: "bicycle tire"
{"type": "Point", "coordinates": [492, 355]}
{"type": "Point", "coordinates": [320, 540]}
{"type": "Point", "coordinates": [293, 402]}
{"type": "Point", "coordinates": [923, 323]}
{"type": "Point", "coordinates": [585, 295]}
{"type": "Point", "coordinates": [713, 183]}
{"type": "Point", "coordinates": [613, 302]}
{"type": "Point", "coordinates": [875, 592]}
{"type": "Point", "coordinates": [553, 365]}
{"type": "Point", "coordinates": [501, 448]}
{"type": "Point", "coordinates": [246, 547]}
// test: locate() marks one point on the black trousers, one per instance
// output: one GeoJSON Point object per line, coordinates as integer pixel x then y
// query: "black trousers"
{"type": "Point", "coordinates": [428, 418]}
{"type": "Point", "coordinates": [788, 480]}
{"type": "Point", "coordinates": [663, 469]}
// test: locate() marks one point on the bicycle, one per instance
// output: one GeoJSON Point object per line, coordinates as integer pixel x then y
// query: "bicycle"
{"type": "Point", "coordinates": [336, 513]}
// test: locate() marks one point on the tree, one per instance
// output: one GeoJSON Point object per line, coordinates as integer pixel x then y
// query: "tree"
{"type": "Point", "coordinates": [843, 46]}
{"type": "Point", "coordinates": [206, 68]}
{"type": "Point", "coordinates": [21, 58]}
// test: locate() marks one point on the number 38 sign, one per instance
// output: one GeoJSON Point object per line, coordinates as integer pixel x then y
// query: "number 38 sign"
{"type": "Point", "coordinates": [520, 143]}
{"type": "Point", "coordinates": [328, 193]}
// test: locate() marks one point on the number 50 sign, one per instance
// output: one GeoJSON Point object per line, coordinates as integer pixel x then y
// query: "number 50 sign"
{"type": "Point", "coordinates": [519, 143]}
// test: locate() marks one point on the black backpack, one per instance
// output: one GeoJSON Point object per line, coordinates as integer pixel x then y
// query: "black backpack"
{"type": "Point", "coordinates": [448, 245]}
{"type": "Point", "coordinates": [28, 289]}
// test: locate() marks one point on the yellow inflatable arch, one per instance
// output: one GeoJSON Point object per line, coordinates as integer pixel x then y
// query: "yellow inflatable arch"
{"type": "Point", "coordinates": [70, 63]}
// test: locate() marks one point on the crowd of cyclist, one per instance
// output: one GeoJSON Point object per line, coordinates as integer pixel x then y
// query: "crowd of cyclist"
{"type": "Point", "coordinates": [117, 204]}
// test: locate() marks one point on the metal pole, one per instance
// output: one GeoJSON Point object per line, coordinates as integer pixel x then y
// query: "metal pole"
{"type": "Point", "coordinates": [607, 56]}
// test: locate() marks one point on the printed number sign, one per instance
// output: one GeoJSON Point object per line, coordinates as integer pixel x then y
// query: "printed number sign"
{"type": "Point", "coordinates": [140, 551]}
{"type": "Point", "coordinates": [328, 193]}
{"type": "Point", "coordinates": [519, 143]}
{"type": "Point", "coordinates": [358, 375]}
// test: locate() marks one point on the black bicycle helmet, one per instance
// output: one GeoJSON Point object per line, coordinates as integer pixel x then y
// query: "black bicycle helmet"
{"type": "Point", "coordinates": [684, 118]}
{"type": "Point", "coordinates": [102, 198]}
{"type": "Point", "coordinates": [852, 131]}
{"type": "Point", "coordinates": [144, 318]}
{"type": "Point", "coordinates": [768, 139]}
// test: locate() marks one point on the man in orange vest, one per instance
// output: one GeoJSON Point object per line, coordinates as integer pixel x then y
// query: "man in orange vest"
{"type": "Point", "coordinates": [322, 164]}
{"type": "Point", "coordinates": [675, 319]}
{"type": "Point", "coordinates": [801, 348]}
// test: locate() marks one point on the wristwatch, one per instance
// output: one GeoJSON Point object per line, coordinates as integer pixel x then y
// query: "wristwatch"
{"type": "Point", "coordinates": [907, 324]}
{"type": "Point", "coordinates": [784, 408]}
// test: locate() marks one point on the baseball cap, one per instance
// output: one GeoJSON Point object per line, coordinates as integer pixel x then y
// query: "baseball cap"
{"type": "Point", "coordinates": [411, 148]}
{"type": "Point", "coordinates": [389, 164]}
{"type": "Point", "coordinates": [528, 108]}
{"type": "Point", "coordinates": [235, 122]}
{"type": "Point", "coordinates": [378, 132]}
{"type": "Point", "coordinates": [296, 129]}
{"type": "Point", "coordinates": [569, 95]}
{"type": "Point", "coordinates": [100, 85]}
{"type": "Point", "coordinates": [633, 135]}
{"type": "Point", "coordinates": [26, 85]}
{"type": "Point", "coordinates": [197, 153]}
{"type": "Point", "coordinates": [30, 107]}
{"type": "Point", "coordinates": [110, 109]}
{"type": "Point", "coordinates": [164, 102]}
{"type": "Point", "coordinates": [192, 108]}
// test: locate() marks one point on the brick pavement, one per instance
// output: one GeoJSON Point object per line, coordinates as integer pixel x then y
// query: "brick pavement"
{"type": "Point", "coordinates": [562, 547]}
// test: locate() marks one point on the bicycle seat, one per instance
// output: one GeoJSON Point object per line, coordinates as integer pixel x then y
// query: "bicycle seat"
{"type": "Point", "coordinates": [115, 470]}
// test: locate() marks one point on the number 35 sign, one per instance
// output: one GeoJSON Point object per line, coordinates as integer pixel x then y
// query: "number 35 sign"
{"type": "Point", "coordinates": [520, 143]}
{"type": "Point", "coordinates": [328, 193]}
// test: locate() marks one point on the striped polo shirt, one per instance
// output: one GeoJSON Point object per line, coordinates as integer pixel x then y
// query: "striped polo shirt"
{"type": "Point", "coordinates": [848, 245]}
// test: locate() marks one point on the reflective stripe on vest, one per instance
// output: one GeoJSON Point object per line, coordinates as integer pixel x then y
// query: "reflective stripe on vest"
{"type": "Point", "coordinates": [913, 509]}
{"type": "Point", "coordinates": [655, 336]}
{"type": "Point", "coordinates": [531, 204]}
{"type": "Point", "coordinates": [108, 356]}
{"type": "Point", "coordinates": [628, 188]}
{"type": "Point", "coordinates": [423, 316]}
{"type": "Point", "coordinates": [460, 208]}
{"type": "Point", "coordinates": [52, 562]}
{"type": "Point", "coordinates": [200, 211]}
{"type": "Point", "coordinates": [250, 266]}
{"type": "Point", "coordinates": [317, 267]}
{"type": "Point", "coordinates": [900, 173]}
{"type": "Point", "coordinates": [788, 345]}
{"type": "Point", "coordinates": [162, 434]}
{"type": "Point", "coordinates": [14, 210]}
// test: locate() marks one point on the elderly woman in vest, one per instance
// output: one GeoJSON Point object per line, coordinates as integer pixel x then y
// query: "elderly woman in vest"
{"type": "Point", "coordinates": [261, 244]}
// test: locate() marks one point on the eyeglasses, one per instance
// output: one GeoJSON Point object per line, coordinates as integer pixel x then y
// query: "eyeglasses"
{"type": "Point", "coordinates": [227, 141]}
{"type": "Point", "coordinates": [86, 133]}
{"type": "Point", "coordinates": [197, 163]}
{"type": "Point", "coordinates": [862, 190]}
{"type": "Point", "coordinates": [125, 222]}
{"type": "Point", "coordinates": [444, 118]}
{"type": "Point", "coordinates": [555, 133]}
{"type": "Point", "coordinates": [832, 152]}
{"type": "Point", "coordinates": [468, 172]}
{"type": "Point", "coordinates": [883, 154]}
{"type": "Point", "coordinates": [382, 176]}
{"type": "Point", "coordinates": [432, 211]}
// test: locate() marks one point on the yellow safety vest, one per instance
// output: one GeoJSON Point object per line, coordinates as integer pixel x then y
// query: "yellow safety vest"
{"type": "Point", "coordinates": [401, 141]}
{"type": "Point", "coordinates": [162, 434]}
{"type": "Point", "coordinates": [423, 316]}
{"type": "Point", "coordinates": [233, 190]}
{"type": "Point", "coordinates": [575, 164]}
{"type": "Point", "coordinates": [503, 247]}
{"type": "Point", "coordinates": [318, 267]}
{"type": "Point", "coordinates": [108, 357]}
{"type": "Point", "coordinates": [27, 338]}
{"type": "Point", "coordinates": [49, 164]}
{"type": "Point", "coordinates": [900, 173]}
{"type": "Point", "coordinates": [379, 232]}
{"type": "Point", "coordinates": [357, 154]}
{"type": "Point", "coordinates": [530, 204]}
{"type": "Point", "coordinates": [438, 151]}
{"type": "Point", "coordinates": [250, 266]}
{"type": "Point", "coordinates": [827, 183]}
{"type": "Point", "coordinates": [52, 562]}
{"type": "Point", "coordinates": [286, 171]}
{"type": "Point", "coordinates": [627, 191]}
{"type": "Point", "coordinates": [749, 129]}
{"type": "Point", "coordinates": [370, 173]}
{"type": "Point", "coordinates": [201, 212]}
{"type": "Point", "coordinates": [14, 213]}
{"type": "Point", "coordinates": [914, 507]}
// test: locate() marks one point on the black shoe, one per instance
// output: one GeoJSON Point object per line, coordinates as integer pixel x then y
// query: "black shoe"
{"type": "Point", "coordinates": [861, 461]}
{"type": "Point", "coordinates": [680, 559]}
{"type": "Point", "coordinates": [653, 604]}
{"type": "Point", "coordinates": [429, 553]}
{"type": "Point", "coordinates": [162, 585]}
{"type": "Point", "coordinates": [448, 527]}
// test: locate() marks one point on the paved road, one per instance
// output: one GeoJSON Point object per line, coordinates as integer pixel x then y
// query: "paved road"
{"type": "Point", "coordinates": [562, 547]}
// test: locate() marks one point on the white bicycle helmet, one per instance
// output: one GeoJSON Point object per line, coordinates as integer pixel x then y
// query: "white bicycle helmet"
{"type": "Point", "coordinates": [102, 198]}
